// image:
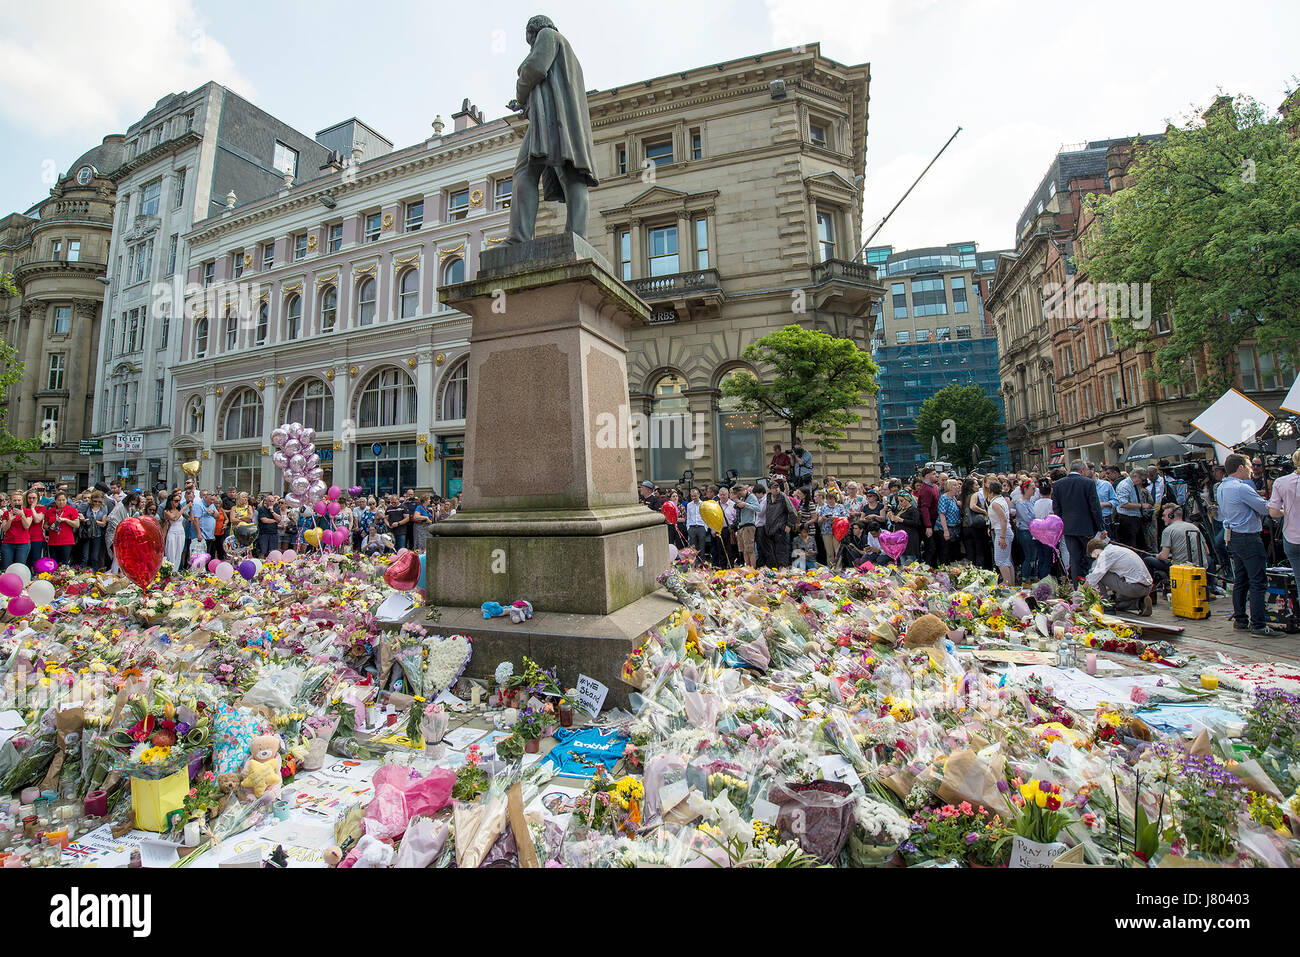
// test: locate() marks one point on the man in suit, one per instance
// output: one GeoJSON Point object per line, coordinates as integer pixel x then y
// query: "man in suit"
{"type": "Point", "coordinates": [1074, 498]}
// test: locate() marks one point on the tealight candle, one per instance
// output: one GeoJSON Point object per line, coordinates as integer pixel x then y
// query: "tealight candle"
{"type": "Point", "coordinates": [31, 795]}
{"type": "Point", "coordinates": [192, 833]}
{"type": "Point", "coordinates": [1210, 682]}
{"type": "Point", "coordinates": [96, 803]}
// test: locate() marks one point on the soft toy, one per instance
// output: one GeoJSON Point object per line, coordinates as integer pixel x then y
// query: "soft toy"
{"type": "Point", "coordinates": [227, 784]}
{"type": "Point", "coordinates": [369, 852]}
{"type": "Point", "coordinates": [263, 768]}
{"type": "Point", "coordinates": [520, 612]}
{"type": "Point", "coordinates": [333, 855]}
{"type": "Point", "coordinates": [926, 631]}
{"type": "Point", "coordinates": [492, 609]}
{"type": "Point", "coordinates": [233, 731]}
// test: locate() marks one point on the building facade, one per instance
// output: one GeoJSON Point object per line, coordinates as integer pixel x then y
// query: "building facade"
{"type": "Point", "coordinates": [729, 200]}
{"type": "Point", "coordinates": [930, 333]}
{"type": "Point", "coordinates": [58, 254]}
{"type": "Point", "coordinates": [191, 155]}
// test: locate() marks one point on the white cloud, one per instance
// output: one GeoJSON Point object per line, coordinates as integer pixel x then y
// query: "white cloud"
{"type": "Point", "coordinates": [88, 68]}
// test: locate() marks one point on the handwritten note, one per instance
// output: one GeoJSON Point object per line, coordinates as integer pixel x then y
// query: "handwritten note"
{"type": "Point", "coordinates": [591, 695]}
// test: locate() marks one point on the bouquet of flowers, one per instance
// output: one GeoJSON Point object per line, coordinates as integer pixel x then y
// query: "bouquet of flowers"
{"type": "Point", "coordinates": [1040, 817]}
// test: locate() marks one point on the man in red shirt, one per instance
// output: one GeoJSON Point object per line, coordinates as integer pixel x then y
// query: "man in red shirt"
{"type": "Point", "coordinates": [779, 467]}
{"type": "Point", "coordinates": [927, 503]}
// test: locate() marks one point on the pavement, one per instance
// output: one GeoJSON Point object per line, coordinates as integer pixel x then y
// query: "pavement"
{"type": "Point", "coordinates": [1203, 637]}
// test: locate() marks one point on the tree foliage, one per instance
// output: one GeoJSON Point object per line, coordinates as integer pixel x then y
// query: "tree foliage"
{"type": "Point", "coordinates": [959, 416]}
{"type": "Point", "coordinates": [11, 374]}
{"type": "Point", "coordinates": [1212, 221]}
{"type": "Point", "coordinates": [815, 381]}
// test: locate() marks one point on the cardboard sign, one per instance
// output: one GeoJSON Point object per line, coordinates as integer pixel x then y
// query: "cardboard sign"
{"type": "Point", "coordinates": [591, 695]}
{"type": "Point", "coordinates": [1032, 854]}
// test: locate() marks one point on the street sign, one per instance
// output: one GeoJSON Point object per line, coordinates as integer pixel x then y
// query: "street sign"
{"type": "Point", "coordinates": [124, 473]}
{"type": "Point", "coordinates": [129, 441]}
{"type": "Point", "coordinates": [91, 447]}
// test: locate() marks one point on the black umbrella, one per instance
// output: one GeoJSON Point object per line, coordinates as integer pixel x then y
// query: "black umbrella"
{"type": "Point", "coordinates": [1198, 438]}
{"type": "Point", "coordinates": [1157, 447]}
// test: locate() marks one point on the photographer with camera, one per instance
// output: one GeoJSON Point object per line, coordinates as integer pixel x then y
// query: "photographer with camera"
{"type": "Point", "coordinates": [1285, 504]}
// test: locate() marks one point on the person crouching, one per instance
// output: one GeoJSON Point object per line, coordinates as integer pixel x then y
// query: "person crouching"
{"type": "Point", "coordinates": [1120, 575]}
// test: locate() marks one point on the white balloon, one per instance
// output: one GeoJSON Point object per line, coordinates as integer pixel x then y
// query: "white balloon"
{"type": "Point", "coordinates": [297, 463]}
{"type": "Point", "coordinates": [22, 571]}
{"type": "Point", "coordinates": [296, 429]}
{"type": "Point", "coordinates": [41, 592]}
{"type": "Point", "coordinates": [278, 437]}
{"type": "Point", "coordinates": [316, 473]}
{"type": "Point", "coordinates": [292, 447]}
{"type": "Point", "coordinates": [313, 460]}
{"type": "Point", "coordinates": [308, 434]}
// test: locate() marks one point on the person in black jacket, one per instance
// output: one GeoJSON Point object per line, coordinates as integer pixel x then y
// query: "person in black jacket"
{"type": "Point", "coordinates": [781, 518]}
{"type": "Point", "coordinates": [1074, 498]}
{"type": "Point", "coordinates": [907, 517]}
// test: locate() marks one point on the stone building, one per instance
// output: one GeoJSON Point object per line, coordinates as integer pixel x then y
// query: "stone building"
{"type": "Point", "coordinates": [58, 253]}
{"type": "Point", "coordinates": [929, 333]}
{"type": "Point", "coordinates": [1105, 397]}
{"type": "Point", "coordinates": [729, 200]}
{"type": "Point", "coordinates": [187, 158]}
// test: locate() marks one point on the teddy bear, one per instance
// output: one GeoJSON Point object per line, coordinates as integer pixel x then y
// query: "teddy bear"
{"type": "Point", "coordinates": [263, 768]}
{"type": "Point", "coordinates": [928, 630]}
{"type": "Point", "coordinates": [227, 784]}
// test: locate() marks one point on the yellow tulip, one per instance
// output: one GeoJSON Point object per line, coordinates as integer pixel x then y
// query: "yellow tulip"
{"type": "Point", "coordinates": [1027, 791]}
{"type": "Point", "coordinates": [1041, 799]}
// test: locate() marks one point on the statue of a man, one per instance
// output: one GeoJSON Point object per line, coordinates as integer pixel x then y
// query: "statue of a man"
{"type": "Point", "coordinates": [557, 148]}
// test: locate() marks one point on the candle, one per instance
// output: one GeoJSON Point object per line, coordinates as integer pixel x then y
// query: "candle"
{"type": "Point", "coordinates": [96, 803]}
{"type": "Point", "coordinates": [192, 834]}
{"type": "Point", "coordinates": [1210, 682]}
{"type": "Point", "coordinates": [59, 837]}
{"type": "Point", "coordinates": [1091, 662]}
{"type": "Point", "coordinates": [1058, 632]}
{"type": "Point", "coordinates": [30, 795]}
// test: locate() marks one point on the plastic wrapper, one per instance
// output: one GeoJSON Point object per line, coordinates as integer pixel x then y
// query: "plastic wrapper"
{"type": "Point", "coordinates": [478, 826]}
{"type": "Point", "coordinates": [422, 842]}
{"type": "Point", "coordinates": [817, 815]}
{"type": "Point", "coordinates": [275, 688]}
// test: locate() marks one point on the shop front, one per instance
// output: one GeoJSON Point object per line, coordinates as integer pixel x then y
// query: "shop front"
{"type": "Point", "coordinates": [386, 468]}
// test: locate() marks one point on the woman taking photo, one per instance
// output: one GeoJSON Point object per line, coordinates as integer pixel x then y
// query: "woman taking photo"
{"type": "Point", "coordinates": [421, 519]}
{"type": "Point", "coordinates": [948, 526]}
{"type": "Point", "coordinates": [35, 531]}
{"type": "Point", "coordinates": [17, 537]}
{"type": "Point", "coordinates": [174, 530]}
{"type": "Point", "coordinates": [1000, 526]}
{"type": "Point", "coordinates": [96, 519]}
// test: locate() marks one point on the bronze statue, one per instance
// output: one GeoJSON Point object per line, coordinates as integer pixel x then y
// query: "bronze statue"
{"type": "Point", "coordinates": [557, 148]}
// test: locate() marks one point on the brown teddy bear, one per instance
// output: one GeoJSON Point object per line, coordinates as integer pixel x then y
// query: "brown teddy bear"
{"type": "Point", "coordinates": [227, 784]}
{"type": "Point", "coordinates": [927, 631]}
{"type": "Point", "coordinates": [262, 771]}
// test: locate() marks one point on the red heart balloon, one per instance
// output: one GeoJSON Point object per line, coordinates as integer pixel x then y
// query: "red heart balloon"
{"type": "Point", "coordinates": [138, 547]}
{"type": "Point", "coordinates": [840, 528]}
{"type": "Point", "coordinates": [404, 573]}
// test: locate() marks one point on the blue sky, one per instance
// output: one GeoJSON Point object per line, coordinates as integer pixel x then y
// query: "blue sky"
{"type": "Point", "coordinates": [1021, 77]}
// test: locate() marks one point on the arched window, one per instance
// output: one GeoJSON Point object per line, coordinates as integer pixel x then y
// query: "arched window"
{"type": "Point", "coordinates": [312, 404]}
{"type": "Point", "coordinates": [669, 420]}
{"type": "Point", "coordinates": [455, 392]}
{"type": "Point", "coordinates": [263, 322]}
{"type": "Point", "coordinates": [329, 309]}
{"type": "Point", "coordinates": [453, 272]}
{"type": "Point", "coordinates": [409, 293]}
{"type": "Point", "coordinates": [366, 302]}
{"type": "Point", "coordinates": [200, 337]}
{"type": "Point", "coordinates": [293, 316]}
{"type": "Point", "coordinates": [387, 398]}
{"type": "Point", "coordinates": [194, 416]}
{"type": "Point", "coordinates": [740, 435]}
{"type": "Point", "coordinates": [243, 416]}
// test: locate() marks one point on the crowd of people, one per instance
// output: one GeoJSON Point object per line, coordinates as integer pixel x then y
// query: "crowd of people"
{"type": "Point", "coordinates": [77, 530]}
{"type": "Point", "coordinates": [1122, 530]}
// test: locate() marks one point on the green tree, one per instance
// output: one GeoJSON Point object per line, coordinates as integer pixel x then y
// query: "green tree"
{"type": "Point", "coordinates": [815, 380]}
{"type": "Point", "coordinates": [11, 373]}
{"type": "Point", "coordinates": [959, 416]}
{"type": "Point", "coordinates": [1212, 222]}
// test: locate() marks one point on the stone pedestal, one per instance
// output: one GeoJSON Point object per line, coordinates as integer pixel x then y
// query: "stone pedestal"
{"type": "Point", "coordinates": [549, 510]}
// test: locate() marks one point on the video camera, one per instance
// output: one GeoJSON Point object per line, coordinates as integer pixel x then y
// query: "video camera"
{"type": "Point", "coordinates": [1275, 466]}
{"type": "Point", "coordinates": [1195, 473]}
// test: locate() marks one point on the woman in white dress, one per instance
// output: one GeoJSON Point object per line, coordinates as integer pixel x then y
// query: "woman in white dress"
{"type": "Point", "coordinates": [174, 530]}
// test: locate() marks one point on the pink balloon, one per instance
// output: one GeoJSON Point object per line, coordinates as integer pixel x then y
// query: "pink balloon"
{"type": "Point", "coordinates": [321, 508]}
{"type": "Point", "coordinates": [1047, 530]}
{"type": "Point", "coordinates": [22, 605]}
{"type": "Point", "coordinates": [288, 555]}
{"type": "Point", "coordinates": [46, 565]}
{"type": "Point", "coordinates": [225, 571]}
{"type": "Point", "coordinates": [334, 508]}
{"type": "Point", "coordinates": [11, 586]}
{"type": "Point", "coordinates": [893, 544]}
{"type": "Point", "coordinates": [212, 565]}
{"type": "Point", "coordinates": [335, 492]}
{"type": "Point", "coordinates": [274, 555]}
